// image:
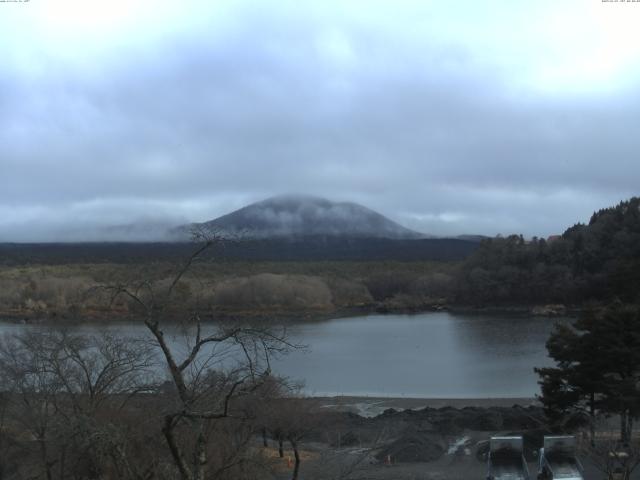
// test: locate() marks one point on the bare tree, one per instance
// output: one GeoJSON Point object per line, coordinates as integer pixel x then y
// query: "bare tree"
{"type": "Point", "coordinates": [302, 420]}
{"type": "Point", "coordinates": [215, 364]}
{"type": "Point", "coordinates": [63, 393]}
{"type": "Point", "coordinates": [32, 392]}
{"type": "Point", "coordinates": [347, 463]}
{"type": "Point", "coordinates": [89, 406]}
{"type": "Point", "coordinates": [291, 418]}
{"type": "Point", "coordinates": [610, 456]}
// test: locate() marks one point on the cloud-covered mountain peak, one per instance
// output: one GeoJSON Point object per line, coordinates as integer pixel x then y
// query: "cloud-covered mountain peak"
{"type": "Point", "coordinates": [304, 215]}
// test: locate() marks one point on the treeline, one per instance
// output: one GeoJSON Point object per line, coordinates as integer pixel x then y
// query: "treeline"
{"type": "Point", "coordinates": [248, 289]}
{"type": "Point", "coordinates": [598, 261]}
{"type": "Point", "coordinates": [298, 249]}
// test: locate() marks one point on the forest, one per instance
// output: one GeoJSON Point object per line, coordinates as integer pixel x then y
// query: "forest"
{"type": "Point", "coordinates": [598, 261]}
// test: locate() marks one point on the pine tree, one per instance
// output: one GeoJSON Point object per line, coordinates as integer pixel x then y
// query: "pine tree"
{"type": "Point", "coordinates": [597, 368]}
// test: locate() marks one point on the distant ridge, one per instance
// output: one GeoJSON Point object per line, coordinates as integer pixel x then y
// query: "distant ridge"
{"type": "Point", "coordinates": [273, 249]}
{"type": "Point", "coordinates": [472, 238]}
{"type": "Point", "coordinates": [303, 216]}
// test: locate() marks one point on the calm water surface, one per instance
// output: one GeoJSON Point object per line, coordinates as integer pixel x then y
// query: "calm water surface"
{"type": "Point", "coordinates": [426, 355]}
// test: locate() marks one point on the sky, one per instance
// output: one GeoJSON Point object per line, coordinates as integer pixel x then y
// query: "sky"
{"type": "Point", "coordinates": [462, 117]}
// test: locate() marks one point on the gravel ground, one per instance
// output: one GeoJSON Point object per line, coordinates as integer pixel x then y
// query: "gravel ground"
{"type": "Point", "coordinates": [459, 462]}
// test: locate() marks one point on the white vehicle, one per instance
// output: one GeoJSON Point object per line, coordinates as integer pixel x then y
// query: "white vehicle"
{"type": "Point", "coordinates": [506, 461]}
{"type": "Point", "coordinates": [558, 459]}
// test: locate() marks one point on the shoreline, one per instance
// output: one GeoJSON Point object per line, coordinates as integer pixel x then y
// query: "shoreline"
{"type": "Point", "coordinates": [105, 317]}
{"type": "Point", "coordinates": [373, 406]}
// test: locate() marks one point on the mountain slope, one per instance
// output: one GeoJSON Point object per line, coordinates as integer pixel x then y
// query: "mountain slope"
{"type": "Point", "coordinates": [304, 216]}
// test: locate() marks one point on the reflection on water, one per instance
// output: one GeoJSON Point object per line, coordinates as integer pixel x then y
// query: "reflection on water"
{"type": "Point", "coordinates": [426, 355]}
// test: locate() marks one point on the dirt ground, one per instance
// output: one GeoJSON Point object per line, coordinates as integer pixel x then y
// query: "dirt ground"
{"type": "Point", "coordinates": [370, 430]}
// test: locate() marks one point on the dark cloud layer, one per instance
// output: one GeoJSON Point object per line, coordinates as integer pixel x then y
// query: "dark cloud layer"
{"type": "Point", "coordinates": [444, 132]}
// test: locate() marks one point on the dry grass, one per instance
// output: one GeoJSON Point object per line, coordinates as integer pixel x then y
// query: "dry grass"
{"type": "Point", "coordinates": [63, 290]}
{"type": "Point", "coordinates": [285, 464]}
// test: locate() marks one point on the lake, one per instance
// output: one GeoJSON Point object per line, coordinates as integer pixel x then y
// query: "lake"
{"type": "Point", "coordinates": [434, 355]}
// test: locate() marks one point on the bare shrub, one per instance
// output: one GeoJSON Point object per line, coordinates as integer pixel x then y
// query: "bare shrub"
{"type": "Point", "coordinates": [386, 285]}
{"type": "Point", "coordinates": [346, 293]}
{"type": "Point", "coordinates": [268, 290]}
{"type": "Point", "coordinates": [433, 285]}
{"type": "Point", "coordinates": [614, 459]}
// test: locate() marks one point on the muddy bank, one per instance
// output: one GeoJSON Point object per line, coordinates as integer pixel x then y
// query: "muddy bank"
{"type": "Point", "coordinates": [432, 423]}
{"type": "Point", "coordinates": [551, 310]}
{"type": "Point", "coordinates": [374, 406]}
{"type": "Point", "coordinates": [427, 435]}
{"type": "Point", "coordinates": [442, 422]}
{"type": "Point", "coordinates": [53, 316]}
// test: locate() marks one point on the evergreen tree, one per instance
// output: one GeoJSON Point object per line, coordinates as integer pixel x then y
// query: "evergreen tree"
{"type": "Point", "coordinates": [598, 367]}
{"type": "Point", "coordinates": [599, 261]}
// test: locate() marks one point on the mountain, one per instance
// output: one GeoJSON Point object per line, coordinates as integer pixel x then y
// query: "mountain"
{"type": "Point", "coordinates": [283, 228]}
{"type": "Point", "coordinates": [138, 231]}
{"type": "Point", "coordinates": [303, 216]}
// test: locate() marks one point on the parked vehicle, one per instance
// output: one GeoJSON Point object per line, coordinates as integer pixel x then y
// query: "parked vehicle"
{"type": "Point", "coordinates": [558, 459]}
{"type": "Point", "coordinates": [506, 460]}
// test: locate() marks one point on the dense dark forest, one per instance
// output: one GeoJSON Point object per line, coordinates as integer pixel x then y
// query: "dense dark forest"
{"type": "Point", "coordinates": [598, 261]}
{"type": "Point", "coordinates": [309, 248]}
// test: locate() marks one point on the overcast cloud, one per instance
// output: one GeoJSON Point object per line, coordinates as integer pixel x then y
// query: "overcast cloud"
{"type": "Point", "coordinates": [448, 117]}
